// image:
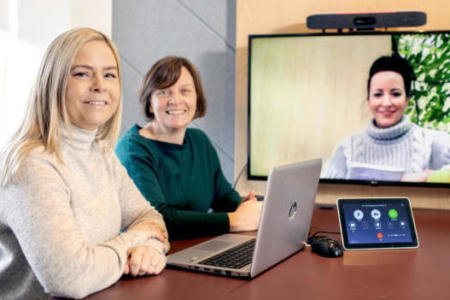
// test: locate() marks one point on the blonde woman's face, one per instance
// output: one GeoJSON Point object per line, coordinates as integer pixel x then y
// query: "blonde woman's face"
{"type": "Point", "coordinates": [93, 88]}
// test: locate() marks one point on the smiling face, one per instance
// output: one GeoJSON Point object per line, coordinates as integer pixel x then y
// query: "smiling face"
{"type": "Point", "coordinates": [174, 107]}
{"type": "Point", "coordinates": [93, 88]}
{"type": "Point", "coordinates": [387, 98]}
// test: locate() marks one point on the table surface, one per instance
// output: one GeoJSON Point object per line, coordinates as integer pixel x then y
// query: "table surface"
{"type": "Point", "coordinates": [421, 273]}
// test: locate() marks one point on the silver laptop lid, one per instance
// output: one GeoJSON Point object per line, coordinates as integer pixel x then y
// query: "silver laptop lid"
{"type": "Point", "coordinates": [287, 211]}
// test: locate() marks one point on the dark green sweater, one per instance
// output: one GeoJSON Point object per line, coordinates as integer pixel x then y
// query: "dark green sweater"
{"type": "Point", "coordinates": [183, 182]}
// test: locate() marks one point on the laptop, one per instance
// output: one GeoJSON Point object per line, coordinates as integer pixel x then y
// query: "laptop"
{"type": "Point", "coordinates": [283, 228]}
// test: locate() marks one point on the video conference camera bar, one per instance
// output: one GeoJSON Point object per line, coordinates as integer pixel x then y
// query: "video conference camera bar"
{"type": "Point", "coordinates": [366, 21]}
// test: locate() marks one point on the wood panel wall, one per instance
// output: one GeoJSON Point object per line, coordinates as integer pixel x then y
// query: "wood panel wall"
{"type": "Point", "coordinates": [289, 16]}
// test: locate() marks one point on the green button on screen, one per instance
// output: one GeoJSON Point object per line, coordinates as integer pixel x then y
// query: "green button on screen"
{"type": "Point", "coordinates": [393, 214]}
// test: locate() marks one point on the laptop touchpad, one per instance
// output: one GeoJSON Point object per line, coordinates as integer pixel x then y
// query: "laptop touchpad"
{"type": "Point", "coordinates": [214, 245]}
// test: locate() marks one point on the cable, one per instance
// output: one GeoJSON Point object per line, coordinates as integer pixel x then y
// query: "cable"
{"type": "Point", "coordinates": [330, 232]}
{"type": "Point", "coordinates": [314, 235]}
{"type": "Point", "coordinates": [239, 175]}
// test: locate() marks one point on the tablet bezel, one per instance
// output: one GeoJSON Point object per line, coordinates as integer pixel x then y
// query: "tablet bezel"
{"type": "Point", "coordinates": [408, 210]}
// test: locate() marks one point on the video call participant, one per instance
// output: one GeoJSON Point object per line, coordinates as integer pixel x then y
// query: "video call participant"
{"type": "Point", "coordinates": [177, 168]}
{"type": "Point", "coordinates": [71, 220]}
{"type": "Point", "coordinates": [391, 139]}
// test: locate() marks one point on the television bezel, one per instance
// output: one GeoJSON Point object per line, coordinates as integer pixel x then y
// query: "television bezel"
{"type": "Point", "coordinates": [328, 180]}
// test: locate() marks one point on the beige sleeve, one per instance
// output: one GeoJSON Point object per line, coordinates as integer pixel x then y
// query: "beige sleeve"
{"type": "Point", "coordinates": [64, 261]}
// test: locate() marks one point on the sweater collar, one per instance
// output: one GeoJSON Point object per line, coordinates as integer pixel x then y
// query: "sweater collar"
{"type": "Point", "coordinates": [389, 133]}
{"type": "Point", "coordinates": [78, 138]}
{"type": "Point", "coordinates": [165, 145]}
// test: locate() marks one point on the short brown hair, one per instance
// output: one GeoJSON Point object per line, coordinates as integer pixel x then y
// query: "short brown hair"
{"type": "Point", "coordinates": [163, 74]}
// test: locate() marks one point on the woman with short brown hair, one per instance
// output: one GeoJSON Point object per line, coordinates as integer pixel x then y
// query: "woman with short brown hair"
{"type": "Point", "coordinates": [177, 168]}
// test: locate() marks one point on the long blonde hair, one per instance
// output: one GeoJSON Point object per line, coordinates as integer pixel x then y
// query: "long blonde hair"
{"type": "Point", "coordinates": [46, 112]}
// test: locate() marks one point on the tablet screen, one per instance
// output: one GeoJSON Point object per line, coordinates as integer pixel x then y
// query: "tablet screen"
{"type": "Point", "coordinates": [377, 223]}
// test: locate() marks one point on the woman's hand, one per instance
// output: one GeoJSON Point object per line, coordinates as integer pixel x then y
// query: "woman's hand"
{"type": "Point", "coordinates": [152, 230]}
{"type": "Point", "coordinates": [417, 177]}
{"type": "Point", "coordinates": [250, 196]}
{"type": "Point", "coordinates": [246, 217]}
{"type": "Point", "coordinates": [144, 260]}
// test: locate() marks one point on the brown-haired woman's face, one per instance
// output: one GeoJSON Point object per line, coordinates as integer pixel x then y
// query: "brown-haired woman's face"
{"type": "Point", "coordinates": [93, 88]}
{"type": "Point", "coordinates": [387, 98]}
{"type": "Point", "coordinates": [174, 107]}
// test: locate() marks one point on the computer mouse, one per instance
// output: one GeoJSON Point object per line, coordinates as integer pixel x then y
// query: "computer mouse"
{"type": "Point", "coordinates": [327, 247]}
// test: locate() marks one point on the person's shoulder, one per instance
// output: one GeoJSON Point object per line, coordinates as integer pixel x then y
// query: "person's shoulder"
{"type": "Point", "coordinates": [196, 132]}
{"type": "Point", "coordinates": [132, 148]}
{"type": "Point", "coordinates": [438, 133]}
{"type": "Point", "coordinates": [197, 135]}
{"type": "Point", "coordinates": [348, 139]}
{"type": "Point", "coordinates": [432, 133]}
{"type": "Point", "coordinates": [41, 162]}
{"type": "Point", "coordinates": [130, 135]}
{"type": "Point", "coordinates": [200, 141]}
{"type": "Point", "coordinates": [132, 141]}
{"type": "Point", "coordinates": [40, 155]}
{"type": "Point", "coordinates": [439, 138]}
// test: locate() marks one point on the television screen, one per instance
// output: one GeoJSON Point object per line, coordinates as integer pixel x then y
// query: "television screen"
{"type": "Point", "coordinates": [310, 96]}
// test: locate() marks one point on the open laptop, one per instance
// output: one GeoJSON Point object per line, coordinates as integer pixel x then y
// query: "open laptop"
{"type": "Point", "coordinates": [283, 228]}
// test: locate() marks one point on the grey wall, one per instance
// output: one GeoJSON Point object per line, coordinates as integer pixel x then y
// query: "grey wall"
{"type": "Point", "coordinates": [201, 30]}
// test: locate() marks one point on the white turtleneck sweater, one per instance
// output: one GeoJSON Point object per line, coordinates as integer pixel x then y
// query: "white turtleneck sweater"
{"type": "Point", "coordinates": [405, 147]}
{"type": "Point", "coordinates": [61, 224]}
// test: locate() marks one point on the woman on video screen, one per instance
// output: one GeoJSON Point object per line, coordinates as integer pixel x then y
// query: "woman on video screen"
{"type": "Point", "coordinates": [391, 148]}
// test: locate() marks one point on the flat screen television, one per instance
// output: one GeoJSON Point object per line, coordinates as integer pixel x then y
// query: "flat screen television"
{"type": "Point", "coordinates": [307, 96]}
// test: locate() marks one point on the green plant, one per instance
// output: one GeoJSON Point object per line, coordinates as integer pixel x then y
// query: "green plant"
{"type": "Point", "coordinates": [429, 56]}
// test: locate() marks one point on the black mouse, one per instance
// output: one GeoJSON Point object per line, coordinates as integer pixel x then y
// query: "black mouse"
{"type": "Point", "coordinates": [326, 246]}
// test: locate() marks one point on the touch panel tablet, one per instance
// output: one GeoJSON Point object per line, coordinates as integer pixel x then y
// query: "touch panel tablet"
{"type": "Point", "coordinates": [377, 223]}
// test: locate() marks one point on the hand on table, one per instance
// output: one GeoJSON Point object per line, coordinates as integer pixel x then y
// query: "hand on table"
{"type": "Point", "coordinates": [246, 216]}
{"type": "Point", "coordinates": [152, 230]}
{"type": "Point", "coordinates": [144, 260]}
{"type": "Point", "coordinates": [417, 177]}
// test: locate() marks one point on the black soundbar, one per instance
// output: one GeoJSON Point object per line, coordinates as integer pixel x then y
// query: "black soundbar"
{"type": "Point", "coordinates": [367, 20]}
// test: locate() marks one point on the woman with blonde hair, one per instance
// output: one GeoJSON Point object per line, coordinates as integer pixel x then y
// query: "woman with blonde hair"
{"type": "Point", "coordinates": [71, 220]}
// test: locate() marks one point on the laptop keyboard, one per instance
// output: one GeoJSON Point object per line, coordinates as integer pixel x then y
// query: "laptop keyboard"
{"type": "Point", "coordinates": [234, 258]}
